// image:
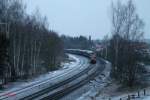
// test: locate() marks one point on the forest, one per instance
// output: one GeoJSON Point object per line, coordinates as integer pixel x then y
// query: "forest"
{"type": "Point", "coordinates": [78, 42]}
{"type": "Point", "coordinates": [27, 46]}
{"type": "Point", "coordinates": [126, 49]}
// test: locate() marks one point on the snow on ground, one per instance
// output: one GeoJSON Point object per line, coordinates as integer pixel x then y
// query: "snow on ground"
{"type": "Point", "coordinates": [103, 88]}
{"type": "Point", "coordinates": [147, 98]}
{"type": "Point", "coordinates": [75, 60]}
{"type": "Point", "coordinates": [92, 88]}
{"type": "Point", "coordinates": [115, 92]}
{"type": "Point", "coordinates": [96, 85]}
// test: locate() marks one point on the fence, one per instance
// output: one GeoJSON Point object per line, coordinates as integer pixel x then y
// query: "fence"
{"type": "Point", "coordinates": [139, 95]}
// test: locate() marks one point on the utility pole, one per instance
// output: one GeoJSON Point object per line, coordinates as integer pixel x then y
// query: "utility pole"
{"type": "Point", "coordinates": [116, 54]}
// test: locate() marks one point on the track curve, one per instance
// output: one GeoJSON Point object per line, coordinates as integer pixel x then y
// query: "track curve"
{"type": "Point", "coordinates": [80, 81]}
{"type": "Point", "coordinates": [26, 90]}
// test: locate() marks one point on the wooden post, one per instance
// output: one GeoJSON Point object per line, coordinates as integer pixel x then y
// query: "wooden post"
{"type": "Point", "coordinates": [138, 93]}
{"type": "Point", "coordinates": [129, 97]}
{"type": "Point", "coordinates": [109, 98]}
{"type": "Point", "coordinates": [144, 92]}
{"type": "Point", "coordinates": [93, 98]}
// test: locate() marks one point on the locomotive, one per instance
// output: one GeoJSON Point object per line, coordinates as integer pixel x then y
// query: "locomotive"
{"type": "Point", "coordinates": [93, 58]}
{"type": "Point", "coordinates": [86, 53]}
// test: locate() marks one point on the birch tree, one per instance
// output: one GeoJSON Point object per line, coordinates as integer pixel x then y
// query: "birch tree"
{"type": "Point", "coordinates": [126, 43]}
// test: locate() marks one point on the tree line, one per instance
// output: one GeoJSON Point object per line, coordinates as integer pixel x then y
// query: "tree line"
{"type": "Point", "coordinates": [125, 48]}
{"type": "Point", "coordinates": [31, 48]}
{"type": "Point", "coordinates": [79, 42]}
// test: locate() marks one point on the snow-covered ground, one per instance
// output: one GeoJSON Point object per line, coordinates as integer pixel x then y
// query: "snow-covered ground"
{"type": "Point", "coordinates": [92, 88]}
{"type": "Point", "coordinates": [146, 98]}
{"type": "Point", "coordinates": [96, 85]}
{"type": "Point", "coordinates": [103, 88]}
{"type": "Point", "coordinates": [15, 85]}
{"type": "Point", "coordinates": [72, 67]}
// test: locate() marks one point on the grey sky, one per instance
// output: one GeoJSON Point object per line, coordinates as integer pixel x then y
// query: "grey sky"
{"type": "Point", "coordinates": [83, 17]}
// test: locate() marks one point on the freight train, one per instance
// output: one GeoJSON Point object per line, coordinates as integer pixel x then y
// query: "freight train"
{"type": "Point", "coordinates": [86, 53]}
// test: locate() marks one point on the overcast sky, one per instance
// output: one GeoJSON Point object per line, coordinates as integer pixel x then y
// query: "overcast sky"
{"type": "Point", "coordinates": [83, 17]}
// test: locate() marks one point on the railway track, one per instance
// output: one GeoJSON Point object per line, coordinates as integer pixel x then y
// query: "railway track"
{"type": "Point", "coordinates": [51, 91]}
{"type": "Point", "coordinates": [16, 94]}
{"type": "Point", "coordinates": [64, 91]}
{"type": "Point", "coordinates": [55, 86]}
{"type": "Point", "coordinates": [25, 91]}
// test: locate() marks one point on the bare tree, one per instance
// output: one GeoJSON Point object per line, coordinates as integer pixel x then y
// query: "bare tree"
{"type": "Point", "coordinates": [125, 45]}
{"type": "Point", "coordinates": [30, 42]}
